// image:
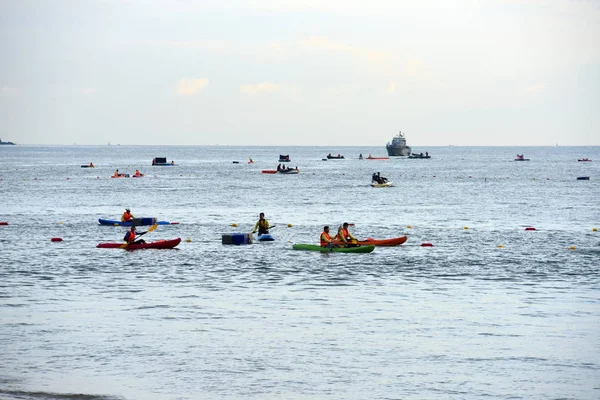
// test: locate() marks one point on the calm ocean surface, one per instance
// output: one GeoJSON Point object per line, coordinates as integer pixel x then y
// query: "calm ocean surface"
{"type": "Point", "coordinates": [492, 311]}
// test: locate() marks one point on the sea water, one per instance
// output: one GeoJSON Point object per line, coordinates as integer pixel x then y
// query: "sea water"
{"type": "Point", "coordinates": [491, 310]}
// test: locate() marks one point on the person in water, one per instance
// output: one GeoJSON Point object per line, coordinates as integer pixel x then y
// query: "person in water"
{"type": "Point", "coordinates": [326, 239]}
{"type": "Point", "coordinates": [262, 225]}
{"type": "Point", "coordinates": [344, 236]}
{"type": "Point", "coordinates": [131, 236]}
{"type": "Point", "coordinates": [127, 216]}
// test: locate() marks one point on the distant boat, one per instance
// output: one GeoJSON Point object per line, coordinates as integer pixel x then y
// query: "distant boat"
{"type": "Point", "coordinates": [6, 143]}
{"type": "Point", "coordinates": [583, 159]}
{"type": "Point", "coordinates": [398, 146]}
{"type": "Point", "coordinates": [162, 162]}
{"type": "Point", "coordinates": [521, 157]}
{"type": "Point", "coordinates": [420, 155]}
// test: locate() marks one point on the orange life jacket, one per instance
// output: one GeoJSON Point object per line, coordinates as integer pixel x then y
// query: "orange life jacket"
{"type": "Point", "coordinates": [345, 235]}
{"type": "Point", "coordinates": [325, 239]}
{"type": "Point", "coordinates": [126, 216]}
{"type": "Point", "coordinates": [130, 237]}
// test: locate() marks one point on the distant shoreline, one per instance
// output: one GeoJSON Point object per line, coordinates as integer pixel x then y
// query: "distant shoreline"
{"type": "Point", "coordinates": [7, 143]}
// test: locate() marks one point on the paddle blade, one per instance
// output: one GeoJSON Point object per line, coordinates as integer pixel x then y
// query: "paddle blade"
{"type": "Point", "coordinates": [153, 228]}
{"type": "Point", "coordinates": [124, 246]}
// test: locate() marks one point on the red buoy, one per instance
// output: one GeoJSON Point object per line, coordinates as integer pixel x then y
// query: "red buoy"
{"type": "Point", "coordinates": [3, 223]}
{"type": "Point", "coordinates": [56, 239]}
{"type": "Point", "coordinates": [530, 229]}
{"type": "Point", "coordinates": [426, 245]}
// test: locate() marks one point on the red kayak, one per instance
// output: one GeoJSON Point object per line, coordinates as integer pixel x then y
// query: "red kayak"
{"type": "Point", "coordinates": [384, 242]}
{"type": "Point", "coordinates": [269, 171]}
{"type": "Point", "coordinates": [161, 244]}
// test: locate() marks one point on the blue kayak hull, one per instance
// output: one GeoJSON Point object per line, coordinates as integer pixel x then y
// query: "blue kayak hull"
{"type": "Point", "coordinates": [138, 222]}
{"type": "Point", "coordinates": [265, 238]}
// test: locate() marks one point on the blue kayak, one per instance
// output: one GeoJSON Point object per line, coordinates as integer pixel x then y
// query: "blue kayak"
{"type": "Point", "coordinates": [136, 221]}
{"type": "Point", "coordinates": [265, 237]}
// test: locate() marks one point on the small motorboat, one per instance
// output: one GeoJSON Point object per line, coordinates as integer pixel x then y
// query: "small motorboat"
{"type": "Point", "coordinates": [289, 171]}
{"type": "Point", "coordinates": [376, 184]}
{"type": "Point", "coordinates": [338, 157]}
{"type": "Point", "coordinates": [420, 155]}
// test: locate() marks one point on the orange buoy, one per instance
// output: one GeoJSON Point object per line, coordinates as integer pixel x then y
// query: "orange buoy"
{"type": "Point", "coordinates": [530, 229]}
{"type": "Point", "coordinates": [426, 245]}
{"type": "Point", "coordinates": [56, 239]}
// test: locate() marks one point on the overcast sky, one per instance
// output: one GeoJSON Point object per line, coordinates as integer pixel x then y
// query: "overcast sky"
{"type": "Point", "coordinates": [300, 72]}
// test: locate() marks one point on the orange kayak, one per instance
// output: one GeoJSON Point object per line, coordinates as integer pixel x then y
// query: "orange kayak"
{"type": "Point", "coordinates": [384, 242]}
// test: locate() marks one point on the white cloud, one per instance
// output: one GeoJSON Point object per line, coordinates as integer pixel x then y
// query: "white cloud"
{"type": "Point", "coordinates": [257, 89]}
{"type": "Point", "coordinates": [190, 87]}
{"type": "Point", "coordinates": [9, 91]}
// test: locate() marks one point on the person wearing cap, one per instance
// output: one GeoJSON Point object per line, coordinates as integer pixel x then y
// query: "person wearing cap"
{"type": "Point", "coordinates": [262, 225]}
{"type": "Point", "coordinates": [127, 216]}
{"type": "Point", "coordinates": [344, 236]}
{"type": "Point", "coordinates": [131, 235]}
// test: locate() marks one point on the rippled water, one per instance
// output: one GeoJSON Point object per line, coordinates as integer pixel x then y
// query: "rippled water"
{"type": "Point", "coordinates": [492, 311]}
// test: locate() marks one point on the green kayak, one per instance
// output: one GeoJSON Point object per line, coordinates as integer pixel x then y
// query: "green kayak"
{"type": "Point", "coordinates": [314, 247]}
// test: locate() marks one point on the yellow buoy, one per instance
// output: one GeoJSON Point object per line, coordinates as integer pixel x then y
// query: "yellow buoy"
{"type": "Point", "coordinates": [500, 246]}
{"type": "Point", "coordinates": [116, 224]}
{"type": "Point", "coordinates": [61, 223]}
{"type": "Point", "coordinates": [595, 230]}
{"type": "Point", "coordinates": [234, 224]}
{"type": "Point", "coordinates": [466, 227]}
{"type": "Point", "coordinates": [573, 248]}
{"type": "Point", "coordinates": [188, 240]}
{"type": "Point", "coordinates": [290, 225]}
{"type": "Point", "coordinates": [409, 227]}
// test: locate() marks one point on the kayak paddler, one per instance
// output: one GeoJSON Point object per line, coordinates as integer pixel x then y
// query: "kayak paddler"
{"type": "Point", "coordinates": [345, 236]}
{"type": "Point", "coordinates": [326, 239]}
{"type": "Point", "coordinates": [262, 225]}
{"type": "Point", "coordinates": [127, 216]}
{"type": "Point", "coordinates": [131, 235]}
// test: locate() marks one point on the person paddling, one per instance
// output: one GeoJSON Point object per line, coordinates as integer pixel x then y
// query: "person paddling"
{"type": "Point", "coordinates": [344, 236]}
{"type": "Point", "coordinates": [131, 236]}
{"type": "Point", "coordinates": [262, 225]}
{"type": "Point", "coordinates": [127, 216]}
{"type": "Point", "coordinates": [326, 239]}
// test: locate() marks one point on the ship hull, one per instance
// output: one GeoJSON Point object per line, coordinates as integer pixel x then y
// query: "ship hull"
{"type": "Point", "coordinates": [398, 151]}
